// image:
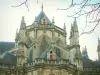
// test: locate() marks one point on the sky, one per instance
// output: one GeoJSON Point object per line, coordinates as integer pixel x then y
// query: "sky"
{"type": "Point", "coordinates": [10, 20]}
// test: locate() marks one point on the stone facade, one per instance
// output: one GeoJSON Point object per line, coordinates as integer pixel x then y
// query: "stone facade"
{"type": "Point", "coordinates": [41, 49]}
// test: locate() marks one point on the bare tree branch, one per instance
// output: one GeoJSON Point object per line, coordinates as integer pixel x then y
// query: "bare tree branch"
{"type": "Point", "coordinates": [87, 9]}
{"type": "Point", "coordinates": [23, 3]}
{"type": "Point", "coordinates": [88, 32]}
{"type": "Point", "coordinates": [72, 2]}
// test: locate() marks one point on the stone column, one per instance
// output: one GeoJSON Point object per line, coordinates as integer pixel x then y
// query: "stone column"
{"type": "Point", "coordinates": [35, 45]}
{"type": "Point", "coordinates": [53, 38]}
{"type": "Point", "coordinates": [35, 33]}
{"type": "Point", "coordinates": [39, 71]}
{"type": "Point", "coordinates": [61, 72]}
{"type": "Point", "coordinates": [67, 73]}
{"type": "Point", "coordinates": [53, 34]}
{"type": "Point", "coordinates": [31, 72]}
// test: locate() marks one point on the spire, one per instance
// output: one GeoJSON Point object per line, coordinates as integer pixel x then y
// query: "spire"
{"type": "Point", "coordinates": [42, 18]}
{"type": "Point", "coordinates": [75, 25]}
{"type": "Point", "coordinates": [71, 31]}
{"type": "Point", "coordinates": [53, 21]}
{"type": "Point", "coordinates": [42, 7]}
{"type": "Point", "coordinates": [74, 34]}
{"type": "Point", "coordinates": [64, 27]}
{"type": "Point", "coordinates": [98, 48]}
{"type": "Point", "coordinates": [98, 41]}
{"type": "Point", "coordinates": [75, 22]}
{"type": "Point", "coordinates": [23, 24]}
{"type": "Point", "coordinates": [16, 35]}
{"type": "Point", "coordinates": [71, 27]}
{"type": "Point", "coordinates": [23, 21]}
{"type": "Point", "coordinates": [84, 52]}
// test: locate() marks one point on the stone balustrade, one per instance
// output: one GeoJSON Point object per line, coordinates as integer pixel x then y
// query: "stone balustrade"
{"type": "Point", "coordinates": [44, 26]}
{"type": "Point", "coordinates": [41, 61]}
{"type": "Point", "coordinates": [61, 62]}
{"type": "Point", "coordinates": [2, 66]}
{"type": "Point", "coordinates": [39, 26]}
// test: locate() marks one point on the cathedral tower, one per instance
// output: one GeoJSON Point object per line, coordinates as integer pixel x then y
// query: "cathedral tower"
{"type": "Point", "coordinates": [21, 45]}
{"type": "Point", "coordinates": [74, 34]}
{"type": "Point", "coordinates": [23, 24]}
{"type": "Point", "coordinates": [42, 47]}
{"type": "Point", "coordinates": [75, 54]}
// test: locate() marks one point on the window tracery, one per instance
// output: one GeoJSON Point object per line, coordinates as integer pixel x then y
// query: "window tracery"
{"type": "Point", "coordinates": [44, 45]}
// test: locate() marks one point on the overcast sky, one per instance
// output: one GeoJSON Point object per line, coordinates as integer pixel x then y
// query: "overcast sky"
{"type": "Point", "coordinates": [10, 19]}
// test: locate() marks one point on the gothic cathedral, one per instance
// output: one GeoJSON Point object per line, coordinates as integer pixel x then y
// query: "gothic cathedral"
{"type": "Point", "coordinates": [41, 49]}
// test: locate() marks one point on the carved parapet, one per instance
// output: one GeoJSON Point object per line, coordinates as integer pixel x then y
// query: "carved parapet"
{"type": "Point", "coordinates": [45, 26]}
{"type": "Point", "coordinates": [2, 66]}
{"type": "Point", "coordinates": [62, 63]}
{"type": "Point", "coordinates": [59, 29]}
{"type": "Point", "coordinates": [39, 60]}
{"type": "Point", "coordinates": [39, 26]}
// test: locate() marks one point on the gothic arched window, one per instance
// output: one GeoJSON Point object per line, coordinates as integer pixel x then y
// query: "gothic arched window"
{"type": "Point", "coordinates": [30, 57]}
{"type": "Point", "coordinates": [58, 52]}
{"type": "Point", "coordinates": [44, 45]}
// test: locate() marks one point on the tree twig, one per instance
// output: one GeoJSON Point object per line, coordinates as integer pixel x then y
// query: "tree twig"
{"type": "Point", "coordinates": [92, 15]}
{"type": "Point", "coordinates": [23, 3]}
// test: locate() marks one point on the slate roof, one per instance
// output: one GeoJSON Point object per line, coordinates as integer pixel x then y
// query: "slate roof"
{"type": "Point", "coordinates": [5, 56]}
{"type": "Point", "coordinates": [41, 16]}
{"type": "Point", "coordinates": [87, 63]}
{"type": "Point", "coordinates": [5, 46]}
{"type": "Point", "coordinates": [8, 58]}
{"type": "Point", "coordinates": [97, 63]}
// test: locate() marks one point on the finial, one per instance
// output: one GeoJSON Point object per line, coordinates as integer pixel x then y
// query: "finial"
{"type": "Point", "coordinates": [53, 21]}
{"type": "Point", "coordinates": [64, 26]}
{"type": "Point", "coordinates": [98, 38]}
{"type": "Point", "coordinates": [98, 41]}
{"type": "Point", "coordinates": [85, 48]}
{"type": "Point", "coordinates": [75, 21]}
{"type": "Point", "coordinates": [42, 6]}
{"type": "Point", "coordinates": [23, 24]}
{"type": "Point", "coordinates": [23, 21]}
{"type": "Point", "coordinates": [23, 17]}
{"type": "Point", "coordinates": [75, 25]}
